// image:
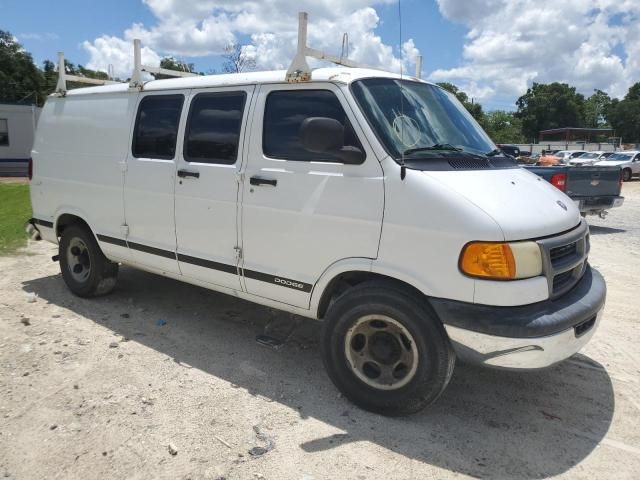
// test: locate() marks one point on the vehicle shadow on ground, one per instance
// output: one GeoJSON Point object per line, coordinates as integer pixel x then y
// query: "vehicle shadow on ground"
{"type": "Point", "coordinates": [600, 230]}
{"type": "Point", "coordinates": [492, 424]}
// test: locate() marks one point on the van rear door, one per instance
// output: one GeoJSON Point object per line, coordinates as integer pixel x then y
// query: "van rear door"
{"type": "Point", "coordinates": [149, 180]}
{"type": "Point", "coordinates": [207, 185]}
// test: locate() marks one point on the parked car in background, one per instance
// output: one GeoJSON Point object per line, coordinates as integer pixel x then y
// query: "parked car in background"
{"type": "Point", "coordinates": [628, 161]}
{"type": "Point", "coordinates": [594, 189]}
{"type": "Point", "coordinates": [564, 156]}
{"type": "Point", "coordinates": [589, 158]}
{"type": "Point", "coordinates": [510, 150]}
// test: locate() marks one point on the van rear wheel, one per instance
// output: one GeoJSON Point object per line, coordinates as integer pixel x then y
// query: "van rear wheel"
{"type": "Point", "coordinates": [385, 349]}
{"type": "Point", "coordinates": [626, 175]}
{"type": "Point", "coordinates": [85, 269]}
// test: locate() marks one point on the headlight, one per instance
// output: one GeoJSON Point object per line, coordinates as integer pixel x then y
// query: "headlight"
{"type": "Point", "coordinates": [501, 261]}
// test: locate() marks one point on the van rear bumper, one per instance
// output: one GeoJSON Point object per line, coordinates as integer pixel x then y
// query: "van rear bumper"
{"type": "Point", "coordinates": [528, 336]}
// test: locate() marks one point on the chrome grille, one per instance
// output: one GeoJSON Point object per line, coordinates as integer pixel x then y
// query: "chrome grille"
{"type": "Point", "coordinates": [564, 259]}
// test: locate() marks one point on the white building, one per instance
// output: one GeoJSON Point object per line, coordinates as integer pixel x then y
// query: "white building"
{"type": "Point", "coordinates": [17, 129]}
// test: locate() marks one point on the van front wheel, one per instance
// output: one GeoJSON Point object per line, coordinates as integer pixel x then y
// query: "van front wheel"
{"type": "Point", "coordinates": [385, 350]}
{"type": "Point", "coordinates": [85, 269]}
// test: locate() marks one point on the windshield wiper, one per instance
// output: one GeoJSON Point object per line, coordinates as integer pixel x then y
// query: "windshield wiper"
{"type": "Point", "coordinates": [494, 152]}
{"type": "Point", "coordinates": [437, 146]}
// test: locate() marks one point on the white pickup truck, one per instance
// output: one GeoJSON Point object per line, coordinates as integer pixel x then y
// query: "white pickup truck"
{"type": "Point", "coordinates": [369, 201]}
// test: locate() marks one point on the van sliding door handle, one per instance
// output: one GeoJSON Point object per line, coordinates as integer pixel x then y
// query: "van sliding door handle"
{"type": "Point", "coordinates": [188, 173]}
{"type": "Point", "coordinates": [263, 181]}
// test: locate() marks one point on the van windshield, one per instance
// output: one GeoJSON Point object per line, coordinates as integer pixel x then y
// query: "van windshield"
{"type": "Point", "coordinates": [414, 119]}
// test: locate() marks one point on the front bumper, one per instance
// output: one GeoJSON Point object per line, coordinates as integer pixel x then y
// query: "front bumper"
{"type": "Point", "coordinates": [529, 336]}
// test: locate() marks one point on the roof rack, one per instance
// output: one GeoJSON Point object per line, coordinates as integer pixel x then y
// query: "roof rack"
{"type": "Point", "coordinates": [135, 83]}
{"type": "Point", "coordinates": [299, 70]}
{"type": "Point", "coordinates": [63, 77]}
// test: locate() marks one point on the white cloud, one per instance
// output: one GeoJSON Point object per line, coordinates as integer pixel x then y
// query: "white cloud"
{"type": "Point", "coordinates": [193, 28]}
{"type": "Point", "coordinates": [106, 50]}
{"type": "Point", "coordinates": [512, 43]}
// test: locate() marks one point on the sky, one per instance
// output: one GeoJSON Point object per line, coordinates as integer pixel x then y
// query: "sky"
{"type": "Point", "coordinates": [492, 49]}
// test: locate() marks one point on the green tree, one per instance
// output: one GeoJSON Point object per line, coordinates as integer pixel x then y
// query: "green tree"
{"type": "Point", "coordinates": [475, 109]}
{"type": "Point", "coordinates": [553, 105]}
{"type": "Point", "coordinates": [595, 108]}
{"type": "Point", "coordinates": [20, 79]}
{"type": "Point", "coordinates": [624, 115]}
{"type": "Point", "coordinates": [503, 127]}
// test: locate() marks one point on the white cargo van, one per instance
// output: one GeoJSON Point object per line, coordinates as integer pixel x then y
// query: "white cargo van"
{"type": "Point", "coordinates": [367, 200]}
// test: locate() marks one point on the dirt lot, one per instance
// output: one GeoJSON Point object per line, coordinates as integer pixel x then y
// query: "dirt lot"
{"type": "Point", "coordinates": [105, 388]}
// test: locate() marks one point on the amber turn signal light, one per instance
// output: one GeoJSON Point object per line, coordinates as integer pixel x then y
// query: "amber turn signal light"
{"type": "Point", "coordinates": [488, 260]}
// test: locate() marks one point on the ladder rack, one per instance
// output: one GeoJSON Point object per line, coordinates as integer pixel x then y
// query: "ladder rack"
{"type": "Point", "coordinates": [299, 70]}
{"type": "Point", "coordinates": [136, 82]}
{"type": "Point", "coordinates": [63, 77]}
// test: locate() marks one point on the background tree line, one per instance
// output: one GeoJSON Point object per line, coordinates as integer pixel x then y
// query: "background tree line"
{"type": "Point", "coordinates": [542, 107]}
{"type": "Point", "coordinates": [557, 105]}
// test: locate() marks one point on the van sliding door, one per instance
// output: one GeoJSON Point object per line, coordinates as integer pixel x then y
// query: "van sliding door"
{"type": "Point", "coordinates": [207, 182]}
{"type": "Point", "coordinates": [149, 181]}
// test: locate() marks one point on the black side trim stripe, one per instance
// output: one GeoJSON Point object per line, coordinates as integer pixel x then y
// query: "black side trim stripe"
{"type": "Point", "coordinates": [43, 223]}
{"type": "Point", "coordinates": [201, 262]}
{"type": "Point", "coordinates": [283, 282]}
{"type": "Point", "coordinates": [152, 250]}
{"type": "Point", "coordinates": [112, 240]}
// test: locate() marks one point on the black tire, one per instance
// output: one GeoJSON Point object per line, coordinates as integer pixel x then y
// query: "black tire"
{"type": "Point", "coordinates": [626, 175]}
{"type": "Point", "coordinates": [95, 274]}
{"type": "Point", "coordinates": [435, 356]}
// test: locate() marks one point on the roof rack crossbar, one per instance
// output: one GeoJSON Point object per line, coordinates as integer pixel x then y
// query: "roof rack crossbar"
{"type": "Point", "coordinates": [299, 70]}
{"type": "Point", "coordinates": [64, 77]}
{"type": "Point", "coordinates": [136, 81]}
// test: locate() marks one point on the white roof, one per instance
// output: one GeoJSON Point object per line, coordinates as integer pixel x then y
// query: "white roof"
{"type": "Point", "coordinates": [333, 74]}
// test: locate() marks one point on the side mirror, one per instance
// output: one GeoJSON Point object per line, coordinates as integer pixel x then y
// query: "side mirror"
{"type": "Point", "coordinates": [326, 135]}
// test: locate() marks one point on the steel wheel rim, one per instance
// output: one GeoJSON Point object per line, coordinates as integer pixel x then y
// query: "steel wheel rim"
{"type": "Point", "coordinates": [381, 352]}
{"type": "Point", "coordinates": [78, 260]}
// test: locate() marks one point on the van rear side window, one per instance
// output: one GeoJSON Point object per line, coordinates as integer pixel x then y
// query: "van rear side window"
{"type": "Point", "coordinates": [156, 129]}
{"type": "Point", "coordinates": [213, 128]}
{"type": "Point", "coordinates": [4, 132]}
{"type": "Point", "coordinates": [284, 113]}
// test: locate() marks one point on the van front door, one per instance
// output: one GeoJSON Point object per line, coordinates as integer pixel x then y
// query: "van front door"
{"type": "Point", "coordinates": [302, 211]}
{"type": "Point", "coordinates": [207, 185]}
{"type": "Point", "coordinates": [149, 181]}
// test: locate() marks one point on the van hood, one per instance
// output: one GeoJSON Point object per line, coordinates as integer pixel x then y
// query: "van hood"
{"type": "Point", "coordinates": [522, 204]}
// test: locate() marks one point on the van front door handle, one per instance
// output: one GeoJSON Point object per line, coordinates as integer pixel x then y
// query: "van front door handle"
{"type": "Point", "coordinates": [188, 173]}
{"type": "Point", "coordinates": [263, 181]}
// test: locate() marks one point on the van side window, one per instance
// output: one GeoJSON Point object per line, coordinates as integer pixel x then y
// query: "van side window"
{"type": "Point", "coordinates": [213, 127]}
{"type": "Point", "coordinates": [284, 113]}
{"type": "Point", "coordinates": [4, 132]}
{"type": "Point", "coordinates": [156, 129]}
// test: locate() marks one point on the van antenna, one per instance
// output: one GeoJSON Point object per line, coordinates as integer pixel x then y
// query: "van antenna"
{"type": "Point", "coordinates": [345, 46]}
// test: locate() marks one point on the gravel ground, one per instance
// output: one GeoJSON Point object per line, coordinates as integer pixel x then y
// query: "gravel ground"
{"type": "Point", "coordinates": [165, 380]}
